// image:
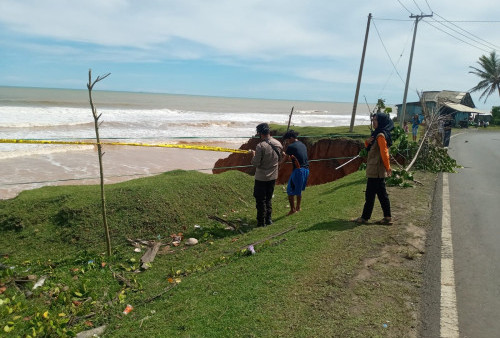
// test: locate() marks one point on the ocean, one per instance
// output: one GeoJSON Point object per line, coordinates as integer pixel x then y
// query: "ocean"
{"type": "Point", "coordinates": [65, 115]}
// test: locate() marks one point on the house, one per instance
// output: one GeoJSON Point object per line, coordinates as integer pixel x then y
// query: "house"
{"type": "Point", "coordinates": [445, 102]}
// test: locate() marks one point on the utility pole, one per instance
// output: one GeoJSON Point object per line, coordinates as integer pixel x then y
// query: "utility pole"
{"type": "Point", "coordinates": [403, 108]}
{"type": "Point", "coordinates": [360, 74]}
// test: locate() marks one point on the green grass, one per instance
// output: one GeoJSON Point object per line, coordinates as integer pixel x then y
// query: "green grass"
{"type": "Point", "coordinates": [300, 284]}
{"type": "Point", "coordinates": [315, 133]}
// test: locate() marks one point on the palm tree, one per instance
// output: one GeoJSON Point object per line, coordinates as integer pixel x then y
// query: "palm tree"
{"type": "Point", "coordinates": [489, 72]}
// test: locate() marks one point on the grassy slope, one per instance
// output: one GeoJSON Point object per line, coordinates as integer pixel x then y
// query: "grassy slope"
{"type": "Point", "coordinates": [325, 277]}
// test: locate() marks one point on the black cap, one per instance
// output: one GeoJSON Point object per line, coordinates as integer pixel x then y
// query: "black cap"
{"type": "Point", "coordinates": [263, 129]}
{"type": "Point", "coordinates": [290, 134]}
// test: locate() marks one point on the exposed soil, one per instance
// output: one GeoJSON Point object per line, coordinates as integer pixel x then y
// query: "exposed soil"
{"type": "Point", "coordinates": [405, 245]}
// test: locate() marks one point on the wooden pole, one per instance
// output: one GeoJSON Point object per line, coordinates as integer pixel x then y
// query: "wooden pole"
{"type": "Point", "coordinates": [289, 119]}
{"type": "Point", "coordinates": [355, 105]}
{"type": "Point", "coordinates": [403, 107]}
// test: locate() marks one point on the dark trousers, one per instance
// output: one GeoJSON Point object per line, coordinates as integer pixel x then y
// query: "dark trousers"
{"type": "Point", "coordinates": [447, 136]}
{"type": "Point", "coordinates": [376, 186]}
{"type": "Point", "coordinates": [263, 193]}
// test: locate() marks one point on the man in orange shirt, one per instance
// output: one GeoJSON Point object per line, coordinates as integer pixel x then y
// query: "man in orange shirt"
{"type": "Point", "coordinates": [378, 167]}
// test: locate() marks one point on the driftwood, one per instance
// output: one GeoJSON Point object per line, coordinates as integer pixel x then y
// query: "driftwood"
{"type": "Point", "coordinates": [96, 332]}
{"type": "Point", "coordinates": [150, 255]}
{"type": "Point", "coordinates": [139, 242]}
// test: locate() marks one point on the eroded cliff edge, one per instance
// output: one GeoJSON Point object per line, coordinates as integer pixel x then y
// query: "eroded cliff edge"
{"type": "Point", "coordinates": [324, 156]}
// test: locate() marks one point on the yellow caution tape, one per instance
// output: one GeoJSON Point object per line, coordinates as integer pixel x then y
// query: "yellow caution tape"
{"type": "Point", "coordinates": [181, 146]}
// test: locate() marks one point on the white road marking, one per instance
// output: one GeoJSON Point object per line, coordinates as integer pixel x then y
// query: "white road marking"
{"type": "Point", "coordinates": [449, 316]}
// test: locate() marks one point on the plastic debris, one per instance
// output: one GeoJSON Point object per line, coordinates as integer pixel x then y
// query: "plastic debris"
{"type": "Point", "coordinates": [40, 282]}
{"type": "Point", "coordinates": [251, 249]}
{"type": "Point", "coordinates": [92, 333]}
{"type": "Point", "coordinates": [127, 310]}
{"type": "Point", "coordinates": [196, 226]}
{"type": "Point", "coordinates": [137, 249]}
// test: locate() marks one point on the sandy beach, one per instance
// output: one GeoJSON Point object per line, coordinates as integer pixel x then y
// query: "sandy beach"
{"type": "Point", "coordinates": [64, 115]}
{"type": "Point", "coordinates": [82, 167]}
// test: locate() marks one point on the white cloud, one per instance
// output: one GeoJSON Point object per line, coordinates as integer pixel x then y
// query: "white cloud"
{"type": "Point", "coordinates": [316, 40]}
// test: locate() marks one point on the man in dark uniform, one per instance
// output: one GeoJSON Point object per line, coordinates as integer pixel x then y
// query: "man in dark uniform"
{"type": "Point", "coordinates": [266, 157]}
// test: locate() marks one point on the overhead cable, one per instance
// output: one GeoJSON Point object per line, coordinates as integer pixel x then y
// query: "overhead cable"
{"type": "Point", "coordinates": [429, 6]}
{"type": "Point", "coordinates": [421, 11]}
{"type": "Point", "coordinates": [453, 36]}
{"type": "Point", "coordinates": [488, 44]}
{"type": "Point", "coordinates": [393, 65]}
{"type": "Point", "coordinates": [404, 7]}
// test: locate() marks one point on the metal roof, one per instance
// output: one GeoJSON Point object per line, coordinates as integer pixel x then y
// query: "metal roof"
{"type": "Point", "coordinates": [462, 108]}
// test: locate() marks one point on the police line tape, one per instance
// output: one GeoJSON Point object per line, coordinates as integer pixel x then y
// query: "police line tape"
{"type": "Point", "coordinates": [181, 146]}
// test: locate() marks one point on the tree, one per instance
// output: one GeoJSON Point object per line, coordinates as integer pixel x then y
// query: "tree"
{"type": "Point", "coordinates": [380, 107]}
{"type": "Point", "coordinates": [489, 72]}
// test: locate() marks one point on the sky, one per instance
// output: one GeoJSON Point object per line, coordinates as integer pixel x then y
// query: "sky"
{"type": "Point", "coordinates": [275, 49]}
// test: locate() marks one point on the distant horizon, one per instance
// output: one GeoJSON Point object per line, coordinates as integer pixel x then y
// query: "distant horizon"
{"type": "Point", "coordinates": [224, 97]}
{"type": "Point", "coordinates": [182, 94]}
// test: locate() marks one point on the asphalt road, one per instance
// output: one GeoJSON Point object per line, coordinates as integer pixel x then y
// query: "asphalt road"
{"type": "Point", "coordinates": [474, 201]}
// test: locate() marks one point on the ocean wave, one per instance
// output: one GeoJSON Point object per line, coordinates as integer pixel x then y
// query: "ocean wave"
{"type": "Point", "coordinates": [315, 112]}
{"type": "Point", "coordinates": [33, 150]}
{"type": "Point", "coordinates": [45, 125]}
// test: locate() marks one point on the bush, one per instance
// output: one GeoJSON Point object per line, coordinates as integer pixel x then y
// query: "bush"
{"type": "Point", "coordinates": [496, 115]}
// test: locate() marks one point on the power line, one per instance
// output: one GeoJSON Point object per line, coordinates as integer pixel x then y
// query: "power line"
{"type": "Point", "coordinates": [450, 21]}
{"type": "Point", "coordinates": [390, 59]}
{"type": "Point", "coordinates": [429, 6]}
{"type": "Point", "coordinates": [391, 19]}
{"type": "Point", "coordinates": [475, 37]}
{"type": "Point", "coordinates": [489, 44]}
{"type": "Point", "coordinates": [405, 7]}
{"type": "Point", "coordinates": [427, 22]}
{"type": "Point", "coordinates": [395, 70]}
{"type": "Point", "coordinates": [475, 21]}
{"type": "Point", "coordinates": [421, 11]}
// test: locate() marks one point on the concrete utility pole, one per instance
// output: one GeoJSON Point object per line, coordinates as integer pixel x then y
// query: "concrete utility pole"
{"type": "Point", "coordinates": [360, 74]}
{"type": "Point", "coordinates": [403, 108]}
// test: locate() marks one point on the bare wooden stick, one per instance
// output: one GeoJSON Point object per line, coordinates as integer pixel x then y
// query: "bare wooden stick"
{"type": "Point", "coordinates": [422, 103]}
{"type": "Point", "coordinates": [289, 119]}
{"type": "Point", "coordinates": [122, 279]}
{"type": "Point", "coordinates": [270, 237]}
{"type": "Point", "coordinates": [90, 86]}
{"type": "Point", "coordinates": [223, 221]}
